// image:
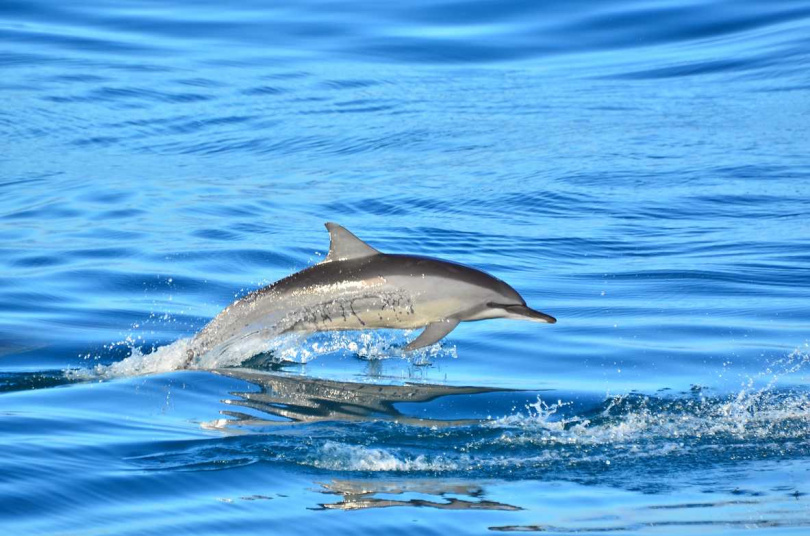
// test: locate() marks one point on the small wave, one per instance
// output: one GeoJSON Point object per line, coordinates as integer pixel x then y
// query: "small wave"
{"type": "Point", "coordinates": [635, 421]}
{"type": "Point", "coordinates": [654, 434]}
{"type": "Point", "coordinates": [342, 457]}
{"type": "Point", "coordinates": [758, 411]}
{"type": "Point", "coordinates": [621, 433]}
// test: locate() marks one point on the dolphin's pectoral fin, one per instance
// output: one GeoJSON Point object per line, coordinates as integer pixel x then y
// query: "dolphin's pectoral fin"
{"type": "Point", "coordinates": [433, 333]}
{"type": "Point", "coordinates": [344, 245]}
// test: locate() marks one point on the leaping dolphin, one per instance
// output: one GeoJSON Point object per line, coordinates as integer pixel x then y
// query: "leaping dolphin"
{"type": "Point", "coordinates": [357, 287]}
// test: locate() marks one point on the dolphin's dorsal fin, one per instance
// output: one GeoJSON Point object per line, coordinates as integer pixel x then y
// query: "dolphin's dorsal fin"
{"type": "Point", "coordinates": [345, 245]}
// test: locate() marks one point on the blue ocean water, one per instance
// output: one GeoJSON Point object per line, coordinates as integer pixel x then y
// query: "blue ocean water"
{"type": "Point", "coordinates": [638, 169]}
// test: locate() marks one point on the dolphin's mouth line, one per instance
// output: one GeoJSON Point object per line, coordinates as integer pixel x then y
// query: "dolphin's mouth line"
{"type": "Point", "coordinates": [523, 311]}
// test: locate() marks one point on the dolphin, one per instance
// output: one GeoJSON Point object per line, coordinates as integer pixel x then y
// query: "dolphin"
{"type": "Point", "coordinates": [356, 287]}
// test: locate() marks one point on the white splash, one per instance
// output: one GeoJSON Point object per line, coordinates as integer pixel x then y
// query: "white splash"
{"type": "Point", "coordinates": [162, 359]}
{"type": "Point", "coordinates": [752, 414]}
{"type": "Point", "coordinates": [341, 457]}
{"type": "Point", "coordinates": [288, 348]}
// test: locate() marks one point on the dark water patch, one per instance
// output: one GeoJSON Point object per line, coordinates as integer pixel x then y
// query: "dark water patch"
{"type": "Point", "coordinates": [785, 89]}
{"type": "Point", "coordinates": [213, 123]}
{"type": "Point", "coordinates": [73, 78]}
{"type": "Point", "coordinates": [443, 52]}
{"type": "Point", "coordinates": [96, 141]}
{"type": "Point", "coordinates": [291, 75]}
{"type": "Point", "coordinates": [447, 241]}
{"type": "Point", "coordinates": [150, 68]}
{"type": "Point", "coordinates": [753, 65]}
{"type": "Point", "coordinates": [351, 108]}
{"type": "Point", "coordinates": [50, 211]}
{"type": "Point", "coordinates": [481, 11]}
{"type": "Point", "coordinates": [272, 144]}
{"type": "Point", "coordinates": [689, 69]}
{"type": "Point", "coordinates": [32, 301]}
{"type": "Point", "coordinates": [261, 145]}
{"type": "Point", "coordinates": [129, 97]}
{"type": "Point", "coordinates": [119, 93]}
{"type": "Point", "coordinates": [214, 234]}
{"type": "Point", "coordinates": [151, 123]}
{"type": "Point", "coordinates": [260, 91]}
{"type": "Point", "coordinates": [309, 99]}
{"type": "Point", "coordinates": [746, 200]}
{"type": "Point", "coordinates": [713, 209]}
{"type": "Point", "coordinates": [541, 203]}
{"type": "Point", "coordinates": [176, 126]}
{"type": "Point", "coordinates": [107, 197]}
{"type": "Point", "coordinates": [765, 170]}
{"type": "Point", "coordinates": [177, 26]}
{"type": "Point", "coordinates": [37, 261]}
{"type": "Point", "coordinates": [79, 43]}
{"type": "Point", "coordinates": [101, 253]}
{"type": "Point", "coordinates": [15, 59]}
{"type": "Point", "coordinates": [200, 82]}
{"type": "Point", "coordinates": [630, 28]}
{"type": "Point", "coordinates": [349, 84]}
{"type": "Point", "coordinates": [23, 381]}
{"type": "Point", "coordinates": [722, 282]}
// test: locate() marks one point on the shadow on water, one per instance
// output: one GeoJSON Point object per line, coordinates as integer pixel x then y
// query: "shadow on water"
{"type": "Point", "coordinates": [24, 381]}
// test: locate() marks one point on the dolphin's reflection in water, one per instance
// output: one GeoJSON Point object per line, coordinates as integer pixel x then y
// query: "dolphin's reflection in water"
{"type": "Point", "coordinates": [362, 494]}
{"type": "Point", "coordinates": [285, 399]}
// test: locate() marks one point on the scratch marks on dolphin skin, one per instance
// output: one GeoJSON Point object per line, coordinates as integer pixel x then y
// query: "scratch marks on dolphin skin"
{"type": "Point", "coordinates": [398, 302]}
{"type": "Point", "coordinates": [354, 312]}
{"type": "Point", "coordinates": [364, 308]}
{"type": "Point", "coordinates": [351, 306]}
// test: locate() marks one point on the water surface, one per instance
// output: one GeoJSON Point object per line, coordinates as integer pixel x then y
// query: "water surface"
{"type": "Point", "coordinates": [638, 169]}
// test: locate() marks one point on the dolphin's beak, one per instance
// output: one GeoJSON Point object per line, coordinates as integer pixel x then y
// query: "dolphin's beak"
{"type": "Point", "coordinates": [523, 312]}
